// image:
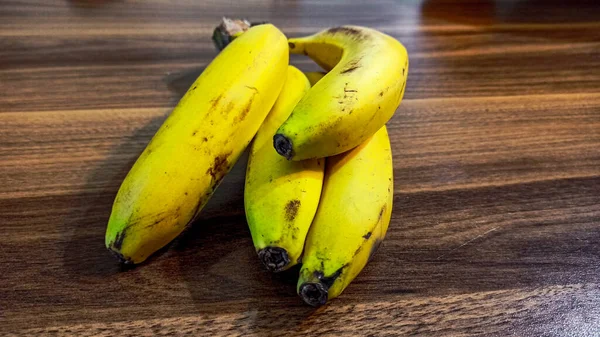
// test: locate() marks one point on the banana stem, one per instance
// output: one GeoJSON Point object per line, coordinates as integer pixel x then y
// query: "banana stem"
{"type": "Point", "coordinates": [274, 258]}
{"type": "Point", "coordinates": [229, 29]}
{"type": "Point", "coordinates": [283, 146]}
{"type": "Point", "coordinates": [314, 293]}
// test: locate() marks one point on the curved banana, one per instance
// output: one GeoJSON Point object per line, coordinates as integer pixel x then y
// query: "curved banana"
{"type": "Point", "coordinates": [352, 219]}
{"type": "Point", "coordinates": [280, 196]}
{"type": "Point", "coordinates": [197, 144]}
{"type": "Point", "coordinates": [364, 86]}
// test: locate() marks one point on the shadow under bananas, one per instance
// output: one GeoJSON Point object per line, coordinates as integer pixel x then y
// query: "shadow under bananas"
{"type": "Point", "coordinates": [84, 250]}
{"type": "Point", "coordinates": [223, 274]}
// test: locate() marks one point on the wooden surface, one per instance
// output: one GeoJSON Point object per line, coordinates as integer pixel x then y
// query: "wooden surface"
{"type": "Point", "coordinates": [496, 222]}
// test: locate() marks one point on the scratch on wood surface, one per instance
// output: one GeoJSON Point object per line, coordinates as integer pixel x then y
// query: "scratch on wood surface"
{"type": "Point", "coordinates": [467, 242]}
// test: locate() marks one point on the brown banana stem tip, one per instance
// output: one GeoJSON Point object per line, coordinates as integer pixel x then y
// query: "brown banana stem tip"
{"type": "Point", "coordinates": [283, 146]}
{"type": "Point", "coordinates": [228, 29]}
{"type": "Point", "coordinates": [313, 293]}
{"type": "Point", "coordinates": [274, 258]}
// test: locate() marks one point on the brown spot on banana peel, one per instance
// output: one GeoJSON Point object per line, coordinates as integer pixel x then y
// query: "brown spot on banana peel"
{"type": "Point", "coordinates": [383, 208]}
{"type": "Point", "coordinates": [118, 242]}
{"type": "Point", "coordinates": [252, 88]}
{"type": "Point", "coordinates": [374, 248]}
{"type": "Point", "coordinates": [217, 171]}
{"type": "Point", "coordinates": [156, 218]}
{"type": "Point", "coordinates": [215, 101]}
{"type": "Point", "coordinates": [244, 112]}
{"type": "Point", "coordinates": [373, 116]}
{"type": "Point", "coordinates": [329, 280]}
{"type": "Point", "coordinates": [378, 240]}
{"type": "Point", "coordinates": [157, 221]}
{"type": "Point", "coordinates": [226, 109]}
{"type": "Point", "coordinates": [219, 167]}
{"type": "Point", "coordinates": [345, 30]}
{"type": "Point", "coordinates": [132, 221]}
{"type": "Point", "coordinates": [291, 210]}
{"type": "Point", "coordinates": [246, 108]}
{"type": "Point", "coordinates": [350, 68]}
{"type": "Point", "coordinates": [370, 233]}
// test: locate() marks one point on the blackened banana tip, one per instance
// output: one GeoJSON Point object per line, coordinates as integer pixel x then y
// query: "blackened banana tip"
{"type": "Point", "coordinates": [275, 259]}
{"type": "Point", "coordinates": [283, 146]}
{"type": "Point", "coordinates": [313, 294]}
{"type": "Point", "coordinates": [122, 259]}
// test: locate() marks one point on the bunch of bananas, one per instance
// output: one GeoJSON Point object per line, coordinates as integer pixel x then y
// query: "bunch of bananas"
{"type": "Point", "coordinates": [319, 180]}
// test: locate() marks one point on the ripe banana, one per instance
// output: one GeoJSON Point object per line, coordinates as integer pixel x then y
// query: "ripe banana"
{"type": "Point", "coordinates": [352, 219]}
{"type": "Point", "coordinates": [314, 77]}
{"type": "Point", "coordinates": [364, 86]}
{"type": "Point", "coordinates": [281, 196]}
{"type": "Point", "coordinates": [197, 144]}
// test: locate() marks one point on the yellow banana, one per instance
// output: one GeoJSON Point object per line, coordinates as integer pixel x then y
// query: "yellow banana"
{"type": "Point", "coordinates": [197, 144]}
{"type": "Point", "coordinates": [314, 77]}
{"type": "Point", "coordinates": [364, 86]}
{"type": "Point", "coordinates": [352, 219]}
{"type": "Point", "coordinates": [280, 196]}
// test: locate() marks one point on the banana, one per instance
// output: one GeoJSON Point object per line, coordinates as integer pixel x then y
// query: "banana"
{"type": "Point", "coordinates": [197, 144]}
{"type": "Point", "coordinates": [364, 86]}
{"type": "Point", "coordinates": [314, 77]}
{"type": "Point", "coordinates": [281, 196]}
{"type": "Point", "coordinates": [351, 221]}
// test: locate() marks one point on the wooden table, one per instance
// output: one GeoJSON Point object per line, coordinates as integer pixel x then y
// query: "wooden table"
{"type": "Point", "coordinates": [496, 222]}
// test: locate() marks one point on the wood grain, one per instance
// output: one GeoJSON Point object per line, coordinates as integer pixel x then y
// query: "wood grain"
{"type": "Point", "coordinates": [497, 173]}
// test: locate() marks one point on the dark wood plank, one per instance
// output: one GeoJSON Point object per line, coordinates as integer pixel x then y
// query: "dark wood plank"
{"type": "Point", "coordinates": [144, 71]}
{"type": "Point", "coordinates": [496, 163]}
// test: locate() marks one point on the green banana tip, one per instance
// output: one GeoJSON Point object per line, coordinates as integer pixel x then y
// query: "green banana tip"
{"type": "Point", "coordinates": [275, 259]}
{"type": "Point", "coordinates": [313, 293]}
{"type": "Point", "coordinates": [283, 146]}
